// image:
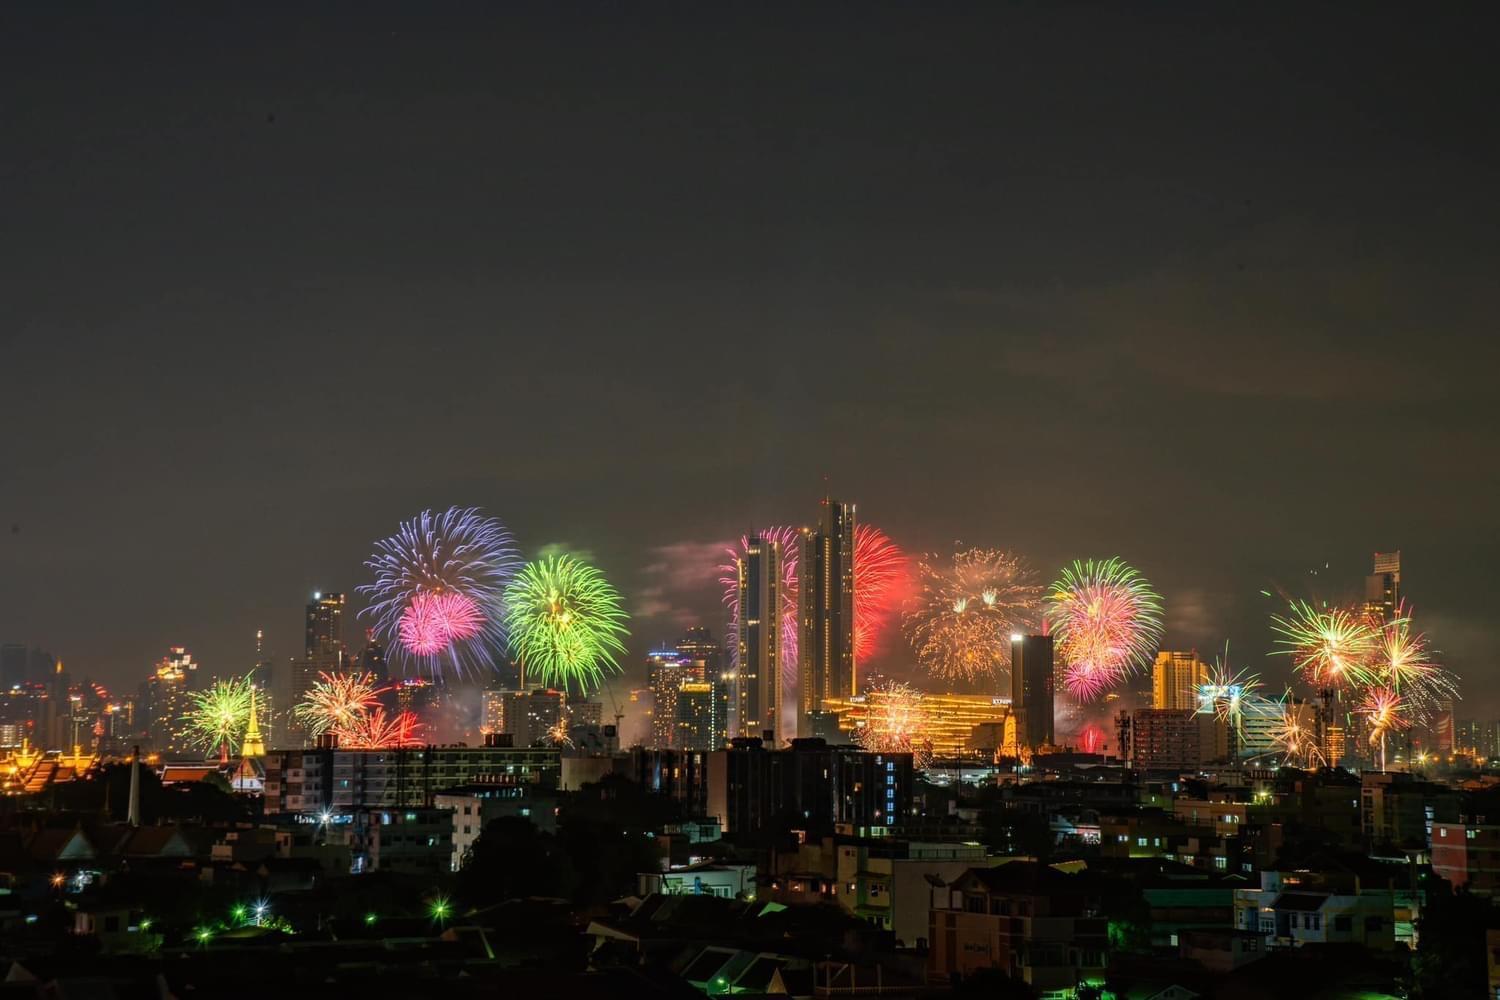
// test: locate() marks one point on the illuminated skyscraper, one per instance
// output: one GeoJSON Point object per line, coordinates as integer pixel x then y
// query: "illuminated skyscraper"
{"type": "Point", "coordinates": [165, 695]}
{"type": "Point", "coordinates": [696, 724]}
{"type": "Point", "coordinates": [325, 627]}
{"type": "Point", "coordinates": [1176, 677]}
{"type": "Point", "coordinates": [323, 652]}
{"type": "Point", "coordinates": [825, 654]}
{"type": "Point", "coordinates": [758, 678]}
{"type": "Point", "coordinates": [1031, 686]}
{"type": "Point", "coordinates": [1383, 585]}
{"type": "Point", "coordinates": [666, 669]}
{"type": "Point", "coordinates": [704, 658]}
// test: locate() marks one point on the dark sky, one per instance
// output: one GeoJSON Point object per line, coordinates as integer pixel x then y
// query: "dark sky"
{"type": "Point", "coordinates": [1210, 287]}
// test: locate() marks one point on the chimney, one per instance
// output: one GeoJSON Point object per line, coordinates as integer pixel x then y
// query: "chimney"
{"type": "Point", "coordinates": [133, 816]}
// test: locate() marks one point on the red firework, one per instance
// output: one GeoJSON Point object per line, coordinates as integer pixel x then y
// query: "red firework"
{"type": "Point", "coordinates": [434, 621]}
{"type": "Point", "coordinates": [377, 732]}
{"type": "Point", "coordinates": [882, 583]}
{"type": "Point", "coordinates": [1091, 739]}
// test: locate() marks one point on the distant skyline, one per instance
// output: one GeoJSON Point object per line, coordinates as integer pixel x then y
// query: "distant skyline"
{"type": "Point", "coordinates": [636, 284]}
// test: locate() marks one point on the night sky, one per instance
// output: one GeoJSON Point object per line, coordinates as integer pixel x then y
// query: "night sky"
{"type": "Point", "coordinates": [1211, 288]}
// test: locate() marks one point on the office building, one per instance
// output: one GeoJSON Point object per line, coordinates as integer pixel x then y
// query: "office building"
{"type": "Point", "coordinates": [1031, 683]}
{"type": "Point", "coordinates": [1176, 678]}
{"type": "Point", "coordinates": [808, 786]}
{"type": "Point", "coordinates": [1383, 586]}
{"type": "Point", "coordinates": [826, 667]}
{"type": "Point", "coordinates": [758, 625]}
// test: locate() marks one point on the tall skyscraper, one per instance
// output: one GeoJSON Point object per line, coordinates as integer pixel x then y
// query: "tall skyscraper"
{"type": "Point", "coordinates": [1176, 677]}
{"type": "Point", "coordinates": [1383, 585]}
{"type": "Point", "coordinates": [758, 677]}
{"type": "Point", "coordinates": [696, 724]}
{"type": "Point", "coordinates": [666, 669]}
{"type": "Point", "coordinates": [325, 627]}
{"type": "Point", "coordinates": [324, 651]}
{"type": "Point", "coordinates": [1031, 685]}
{"type": "Point", "coordinates": [825, 655]}
{"type": "Point", "coordinates": [165, 694]}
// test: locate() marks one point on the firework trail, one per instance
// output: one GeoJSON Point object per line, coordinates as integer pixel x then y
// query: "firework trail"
{"type": "Point", "coordinates": [789, 541]}
{"type": "Point", "coordinates": [565, 622]}
{"type": "Point", "coordinates": [219, 715]}
{"type": "Point", "coordinates": [966, 609]}
{"type": "Point", "coordinates": [338, 701]}
{"type": "Point", "coordinates": [375, 731]}
{"type": "Point", "coordinates": [893, 723]}
{"type": "Point", "coordinates": [882, 580]}
{"type": "Point", "coordinates": [1332, 647]}
{"type": "Point", "coordinates": [438, 596]}
{"type": "Point", "coordinates": [1107, 622]}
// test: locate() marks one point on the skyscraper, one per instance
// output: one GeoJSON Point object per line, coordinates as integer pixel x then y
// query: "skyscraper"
{"type": "Point", "coordinates": [323, 652]}
{"type": "Point", "coordinates": [705, 663]}
{"type": "Point", "coordinates": [1383, 585]}
{"type": "Point", "coordinates": [1031, 683]}
{"type": "Point", "coordinates": [666, 669]}
{"type": "Point", "coordinates": [165, 694]}
{"type": "Point", "coordinates": [1176, 677]}
{"type": "Point", "coordinates": [825, 655]}
{"type": "Point", "coordinates": [696, 724]}
{"type": "Point", "coordinates": [758, 678]}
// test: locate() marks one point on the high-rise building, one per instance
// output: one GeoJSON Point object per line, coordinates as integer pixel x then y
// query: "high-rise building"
{"type": "Point", "coordinates": [696, 724]}
{"type": "Point", "coordinates": [705, 660]}
{"type": "Point", "coordinates": [1172, 738]}
{"type": "Point", "coordinates": [666, 669]}
{"type": "Point", "coordinates": [165, 695]}
{"type": "Point", "coordinates": [1176, 677]}
{"type": "Point", "coordinates": [323, 651]}
{"type": "Point", "coordinates": [1031, 686]}
{"type": "Point", "coordinates": [1383, 585]}
{"type": "Point", "coordinates": [758, 678]}
{"type": "Point", "coordinates": [325, 626]}
{"type": "Point", "coordinates": [825, 654]}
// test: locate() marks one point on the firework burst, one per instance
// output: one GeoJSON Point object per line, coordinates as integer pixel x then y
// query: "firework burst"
{"type": "Point", "coordinates": [437, 599]}
{"type": "Point", "coordinates": [1297, 741]}
{"type": "Point", "coordinates": [565, 622]}
{"type": "Point", "coordinates": [788, 540]}
{"type": "Point", "coordinates": [1332, 647]}
{"type": "Point", "coordinates": [338, 701]}
{"type": "Point", "coordinates": [893, 723]}
{"type": "Point", "coordinates": [1107, 622]}
{"type": "Point", "coordinates": [375, 730]}
{"type": "Point", "coordinates": [219, 715]}
{"type": "Point", "coordinates": [1402, 664]}
{"type": "Point", "coordinates": [882, 578]}
{"type": "Point", "coordinates": [966, 610]}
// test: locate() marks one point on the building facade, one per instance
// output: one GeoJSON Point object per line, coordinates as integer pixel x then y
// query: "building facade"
{"type": "Point", "coordinates": [758, 623]}
{"type": "Point", "coordinates": [1031, 689]}
{"type": "Point", "coordinates": [825, 651]}
{"type": "Point", "coordinates": [1176, 678]}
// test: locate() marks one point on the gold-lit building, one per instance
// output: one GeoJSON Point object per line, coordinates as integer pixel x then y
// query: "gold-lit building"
{"type": "Point", "coordinates": [947, 720]}
{"type": "Point", "coordinates": [1176, 677]}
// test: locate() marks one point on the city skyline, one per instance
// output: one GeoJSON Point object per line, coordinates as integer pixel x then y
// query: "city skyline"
{"type": "Point", "coordinates": [1076, 325]}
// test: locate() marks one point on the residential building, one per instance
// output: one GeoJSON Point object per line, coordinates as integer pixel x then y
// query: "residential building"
{"type": "Point", "coordinates": [1468, 856]}
{"type": "Point", "coordinates": [1025, 919]}
{"type": "Point", "coordinates": [1171, 739]}
{"type": "Point", "coordinates": [474, 806]}
{"type": "Point", "coordinates": [809, 786]}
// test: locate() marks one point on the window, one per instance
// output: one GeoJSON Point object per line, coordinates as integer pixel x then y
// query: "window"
{"type": "Point", "coordinates": [1140, 841]}
{"type": "Point", "coordinates": [1342, 923]}
{"type": "Point", "coordinates": [1316, 921]}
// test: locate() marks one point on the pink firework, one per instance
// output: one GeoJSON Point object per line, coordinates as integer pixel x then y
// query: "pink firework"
{"type": "Point", "coordinates": [435, 620]}
{"type": "Point", "coordinates": [882, 583]}
{"type": "Point", "coordinates": [789, 540]}
{"type": "Point", "coordinates": [1087, 679]}
{"type": "Point", "coordinates": [1107, 622]}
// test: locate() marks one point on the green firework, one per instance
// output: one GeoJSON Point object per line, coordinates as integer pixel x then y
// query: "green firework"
{"type": "Point", "coordinates": [220, 714]}
{"type": "Point", "coordinates": [565, 622]}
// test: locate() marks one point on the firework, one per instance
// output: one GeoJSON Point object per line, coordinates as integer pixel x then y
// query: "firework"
{"type": "Point", "coordinates": [565, 622]}
{"type": "Point", "coordinates": [1227, 694]}
{"type": "Point", "coordinates": [893, 723]}
{"type": "Point", "coordinates": [788, 540]}
{"type": "Point", "coordinates": [437, 599]}
{"type": "Point", "coordinates": [338, 701]}
{"type": "Point", "coordinates": [1384, 711]}
{"type": "Point", "coordinates": [219, 715]}
{"type": "Point", "coordinates": [373, 730]}
{"type": "Point", "coordinates": [1297, 741]}
{"type": "Point", "coordinates": [1091, 739]}
{"type": "Point", "coordinates": [882, 576]}
{"type": "Point", "coordinates": [1332, 647]}
{"type": "Point", "coordinates": [966, 610]}
{"type": "Point", "coordinates": [1401, 663]}
{"type": "Point", "coordinates": [1107, 622]}
{"type": "Point", "coordinates": [557, 734]}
